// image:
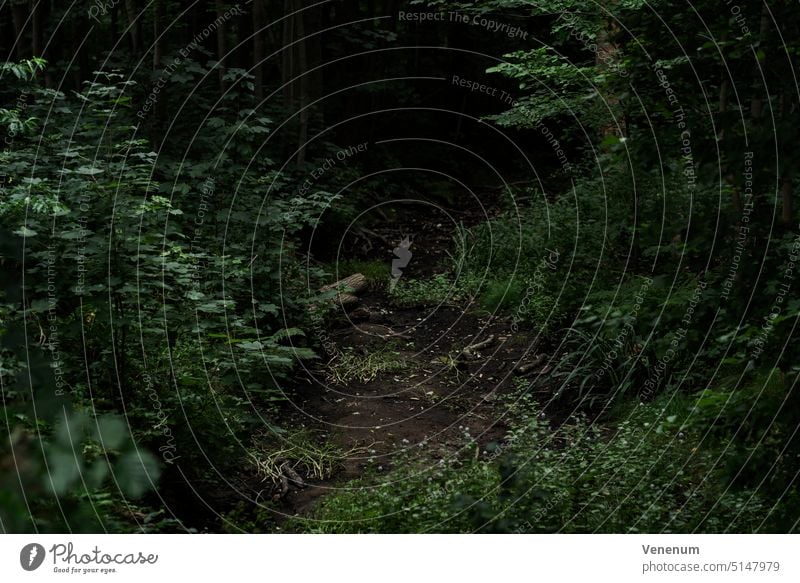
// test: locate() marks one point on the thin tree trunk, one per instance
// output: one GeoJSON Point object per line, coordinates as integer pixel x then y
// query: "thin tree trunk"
{"type": "Point", "coordinates": [288, 61]}
{"type": "Point", "coordinates": [221, 44]}
{"type": "Point", "coordinates": [38, 18]}
{"type": "Point", "coordinates": [724, 90]}
{"type": "Point", "coordinates": [787, 192]}
{"type": "Point", "coordinates": [158, 53]}
{"type": "Point", "coordinates": [259, 21]}
{"type": "Point", "coordinates": [302, 67]}
{"type": "Point", "coordinates": [787, 187]}
{"type": "Point", "coordinates": [314, 56]}
{"type": "Point", "coordinates": [114, 21]}
{"type": "Point", "coordinates": [158, 43]}
{"type": "Point", "coordinates": [757, 103]}
{"type": "Point", "coordinates": [18, 16]}
{"type": "Point", "coordinates": [134, 26]}
{"type": "Point", "coordinates": [36, 29]}
{"type": "Point", "coordinates": [605, 53]}
{"type": "Point", "coordinates": [287, 56]}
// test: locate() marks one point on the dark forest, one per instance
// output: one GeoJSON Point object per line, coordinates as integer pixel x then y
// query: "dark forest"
{"type": "Point", "coordinates": [399, 267]}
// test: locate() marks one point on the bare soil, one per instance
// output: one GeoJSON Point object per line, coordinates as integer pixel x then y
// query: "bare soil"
{"type": "Point", "coordinates": [426, 407]}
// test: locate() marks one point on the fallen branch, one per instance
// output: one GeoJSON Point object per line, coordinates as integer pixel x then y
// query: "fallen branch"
{"type": "Point", "coordinates": [346, 289]}
{"type": "Point", "coordinates": [525, 368]}
{"type": "Point", "coordinates": [353, 284]}
{"type": "Point", "coordinates": [470, 352]}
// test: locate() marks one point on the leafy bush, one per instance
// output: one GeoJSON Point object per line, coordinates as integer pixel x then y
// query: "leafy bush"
{"type": "Point", "coordinates": [147, 280]}
{"type": "Point", "coordinates": [62, 476]}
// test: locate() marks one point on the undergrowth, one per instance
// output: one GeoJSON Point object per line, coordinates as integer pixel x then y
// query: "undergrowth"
{"type": "Point", "coordinates": [645, 475]}
{"type": "Point", "coordinates": [349, 366]}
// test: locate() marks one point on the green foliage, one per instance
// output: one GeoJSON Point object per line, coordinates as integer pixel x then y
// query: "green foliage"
{"type": "Point", "coordinates": [500, 295]}
{"type": "Point", "coordinates": [145, 283]}
{"type": "Point", "coordinates": [760, 408]}
{"type": "Point", "coordinates": [642, 478]}
{"type": "Point", "coordinates": [378, 273]}
{"type": "Point", "coordinates": [158, 237]}
{"type": "Point", "coordinates": [441, 289]}
{"type": "Point", "coordinates": [556, 88]}
{"type": "Point", "coordinates": [65, 473]}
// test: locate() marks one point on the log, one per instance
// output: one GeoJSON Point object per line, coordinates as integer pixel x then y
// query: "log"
{"type": "Point", "coordinates": [347, 288]}
{"type": "Point", "coordinates": [346, 299]}
{"type": "Point", "coordinates": [353, 284]}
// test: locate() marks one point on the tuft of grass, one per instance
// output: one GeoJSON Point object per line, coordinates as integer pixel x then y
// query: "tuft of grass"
{"type": "Point", "coordinates": [376, 272]}
{"type": "Point", "coordinates": [501, 295]}
{"type": "Point", "coordinates": [349, 366]}
{"type": "Point", "coordinates": [311, 457]}
{"type": "Point", "coordinates": [420, 293]}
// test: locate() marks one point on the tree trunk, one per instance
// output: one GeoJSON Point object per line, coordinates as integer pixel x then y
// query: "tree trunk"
{"type": "Point", "coordinates": [134, 26]}
{"type": "Point", "coordinates": [114, 22]}
{"type": "Point", "coordinates": [787, 187]}
{"type": "Point", "coordinates": [287, 56]}
{"type": "Point", "coordinates": [757, 103]}
{"type": "Point", "coordinates": [727, 177]}
{"type": "Point", "coordinates": [36, 29]}
{"type": "Point", "coordinates": [221, 44]}
{"type": "Point", "coordinates": [605, 53]}
{"type": "Point", "coordinates": [259, 22]}
{"type": "Point", "coordinates": [18, 16]}
{"type": "Point", "coordinates": [347, 289]}
{"type": "Point", "coordinates": [351, 284]}
{"type": "Point", "coordinates": [313, 24]}
{"type": "Point", "coordinates": [787, 191]}
{"type": "Point", "coordinates": [158, 45]}
{"type": "Point", "coordinates": [38, 18]}
{"type": "Point", "coordinates": [302, 68]}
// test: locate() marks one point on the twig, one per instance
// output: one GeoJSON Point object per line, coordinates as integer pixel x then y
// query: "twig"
{"type": "Point", "coordinates": [470, 351]}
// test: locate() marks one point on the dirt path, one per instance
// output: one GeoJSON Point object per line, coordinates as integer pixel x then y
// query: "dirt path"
{"type": "Point", "coordinates": [432, 394]}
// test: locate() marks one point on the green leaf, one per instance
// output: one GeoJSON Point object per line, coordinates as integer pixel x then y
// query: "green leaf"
{"type": "Point", "coordinates": [287, 333]}
{"type": "Point", "coordinates": [112, 431]}
{"type": "Point", "coordinates": [96, 474]}
{"type": "Point", "coordinates": [257, 345]}
{"type": "Point", "coordinates": [136, 472]}
{"type": "Point", "coordinates": [195, 295]}
{"type": "Point", "coordinates": [25, 232]}
{"type": "Point", "coordinates": [63, 470]}
{"type": "Point", "coordinates": [88, 171]}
